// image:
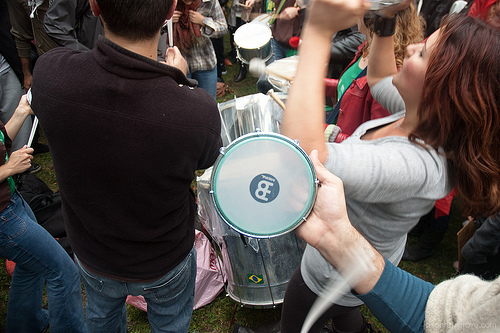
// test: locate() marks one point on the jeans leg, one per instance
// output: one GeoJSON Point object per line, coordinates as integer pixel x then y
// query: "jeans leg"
{"type": "Point", "coordinates": [278, 50]}
{"type": "Point", "coordinates": [38, 256]}
{"type": "Point", "coordinates": [25, 313]}
{"type": "Point", "coordinates": [207, 80]}
{"type": "Point", "coordinates": [170, 299]}
{"type": "Point", "coordinates": [106, 310]}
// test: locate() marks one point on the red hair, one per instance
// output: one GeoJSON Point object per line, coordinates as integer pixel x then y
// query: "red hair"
{"type": "Point", "coordinates": [459, 110]}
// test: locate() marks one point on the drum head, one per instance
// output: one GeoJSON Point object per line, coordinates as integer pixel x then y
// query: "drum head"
{"type": "Point", "coordinates": [252, 36]}
{"type": "Point", "coordinates": [263, 185]}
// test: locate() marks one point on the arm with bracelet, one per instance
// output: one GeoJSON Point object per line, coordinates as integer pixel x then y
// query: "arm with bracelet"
{"type": "Point", "coordinates": [381, 62]}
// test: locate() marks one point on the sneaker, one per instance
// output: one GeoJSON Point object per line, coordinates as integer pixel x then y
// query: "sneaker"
{"type": "Point", "coordinates": [34, 168]}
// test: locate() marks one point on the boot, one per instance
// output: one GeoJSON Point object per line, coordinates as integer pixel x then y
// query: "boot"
{"type": "Point", "coordinates": [242, 73]}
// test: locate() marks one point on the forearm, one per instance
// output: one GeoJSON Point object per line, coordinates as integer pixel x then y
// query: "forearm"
{"type": "Point", "coordinates": [305, 117]}
{"type": "Point", "coordinates": [349, 252]}
{"type": "Point", "coordinates": [398, 300]}
{"type": "Point", "coordinates": [6, 171]}
{"type": "Point", "coordinates": [16, 121]}
{"type": "Point", "coordinates": [382, 61]}
{"type": "Point", "coordinates": [25, 65]}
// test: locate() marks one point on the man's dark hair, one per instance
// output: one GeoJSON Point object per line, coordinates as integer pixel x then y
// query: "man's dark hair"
{"type": "Point", "coordinates": [134, 19]}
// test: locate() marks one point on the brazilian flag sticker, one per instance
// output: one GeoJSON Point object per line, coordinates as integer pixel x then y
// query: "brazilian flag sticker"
{"type": "Point", "coordinates": [257, 279]}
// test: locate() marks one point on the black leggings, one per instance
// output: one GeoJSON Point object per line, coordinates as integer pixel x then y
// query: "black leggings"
{"type": "Point", "coordinates": [299, 299]}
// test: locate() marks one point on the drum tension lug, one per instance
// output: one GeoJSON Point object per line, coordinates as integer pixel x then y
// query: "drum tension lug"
{"type": "Point", "coordinates": [222, 150]}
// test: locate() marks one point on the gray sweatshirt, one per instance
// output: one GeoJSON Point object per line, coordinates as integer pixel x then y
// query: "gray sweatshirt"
{"type": "Point", "coordinates": [389, 184]}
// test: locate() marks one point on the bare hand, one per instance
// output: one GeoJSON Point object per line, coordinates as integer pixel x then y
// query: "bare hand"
{"type": "Point", "coordinates": [249, 3]}
{"type": "Point", "coordinates": [175, 59]}
{"type": "Point", "coordinates": [24, 108]}
{"type": "Point", "coordinates": [20, 160]}
{"type": "Point", "coordinates": [329, 213]}
{"type": "Point", "coordinates": [391, 11]}
{"type": "Point", "coordinates": [330, 16]}
{"type": "Point", "coordinates": [289, 13]}
{"type": "Point", "coordinates": [176, 16]}
{"type": "Point", "coordinates": [196, 17]}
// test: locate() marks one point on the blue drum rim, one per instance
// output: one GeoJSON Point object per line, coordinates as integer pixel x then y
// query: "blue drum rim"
{"type": "Point", "coordinates": [237, 142]}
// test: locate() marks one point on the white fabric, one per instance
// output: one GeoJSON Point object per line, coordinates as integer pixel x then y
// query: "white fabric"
{"type": "Point", "coordinates": [464, 304]}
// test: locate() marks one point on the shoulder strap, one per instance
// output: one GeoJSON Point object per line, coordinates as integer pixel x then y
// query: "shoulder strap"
{"type": "Point", "coordinates": [333, 114]}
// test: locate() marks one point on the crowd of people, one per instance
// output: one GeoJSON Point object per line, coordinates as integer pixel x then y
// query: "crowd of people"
{"type": "Point", "coordinates": [129, 121]}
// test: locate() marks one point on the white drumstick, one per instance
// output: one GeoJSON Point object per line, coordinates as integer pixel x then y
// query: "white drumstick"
{"type": "Point", "coordinates": [257, 67]}
{"type": "Point", "coordinates": [276, 98]}
{"type": "Point", "coordinates": [35, 121]}
{"type": "Point", "coordinates": [170, 33]}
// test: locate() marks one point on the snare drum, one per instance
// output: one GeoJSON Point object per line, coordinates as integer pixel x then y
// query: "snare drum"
{"type": "Point", "coordinates": [253, 40]}
{"type": "Point", "coordinates": [263, 185]}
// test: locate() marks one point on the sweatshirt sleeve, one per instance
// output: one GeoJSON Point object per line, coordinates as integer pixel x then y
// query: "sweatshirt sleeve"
{"type": "Point", "coordinates": [398, 300]}
{"type": "Point", "coordinates": [386, 94]}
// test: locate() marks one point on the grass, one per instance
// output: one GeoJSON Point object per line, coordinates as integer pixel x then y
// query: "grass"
{"type": "Point", "coordinates": [221, 315]}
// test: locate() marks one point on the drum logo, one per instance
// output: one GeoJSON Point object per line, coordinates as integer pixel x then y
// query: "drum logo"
{"type": "Point", "coordinates": [264, 188]}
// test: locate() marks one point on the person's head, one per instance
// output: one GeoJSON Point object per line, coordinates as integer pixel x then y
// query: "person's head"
{"type": "Point", "coordinates": [459, 108]}
{"type": "Point", "coordinates": [493, 16]}
{"type": "Point", "coordinates": [488, 11]}
{"type": "Point", "coordinates": [409, 30]}
{"type": "Point", "coordinates": [133, 19]}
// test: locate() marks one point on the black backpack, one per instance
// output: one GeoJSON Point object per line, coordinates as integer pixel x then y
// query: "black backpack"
{"type": "Point", "coordinates": [46, 205]}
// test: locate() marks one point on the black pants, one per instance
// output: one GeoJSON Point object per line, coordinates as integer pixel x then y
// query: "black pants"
{"type": "Point", "coordinates": [299, 300]}
{"type": "Point", "coordinates": [218, 44]}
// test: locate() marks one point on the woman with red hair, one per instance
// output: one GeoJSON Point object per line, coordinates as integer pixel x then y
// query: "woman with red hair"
{"type": "Point", "coordinates": [447, 134]}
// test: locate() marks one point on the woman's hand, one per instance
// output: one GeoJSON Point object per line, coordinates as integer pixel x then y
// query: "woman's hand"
{"type": "Point", "coordinates": [19, 161]}
{"type": "Point", "coordinates": [196, 17]}
{"type": "Point", "coordinates": [24, 109]}
{"type": "Point", "coordinates": [176, 16]}
{"type": "Point", "coordinates": [330, 16]}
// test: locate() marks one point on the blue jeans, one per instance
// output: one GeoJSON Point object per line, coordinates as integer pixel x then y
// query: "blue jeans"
{"type": "Point", "coordinates": [207, 80]}
{"type": "Point", "coordinates": [278, 50]}
{"type": "Point", "coordinates": [39, 258]}
{"type": "Point", "coordinates": [169, 300]}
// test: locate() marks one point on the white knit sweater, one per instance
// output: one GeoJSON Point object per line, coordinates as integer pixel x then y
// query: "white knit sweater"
{"type": "Point", "coordinates": [464, 304]}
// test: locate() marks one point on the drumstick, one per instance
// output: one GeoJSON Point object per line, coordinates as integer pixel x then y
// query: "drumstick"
{"type": "Point", "coordinates": [35, 121]}
{"type": "Point", "coordinates": [273, 96]}
{"type": "Point", "coordinates": [257, 67]}
{"type": "Point", "coordinates": [170, 33]}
